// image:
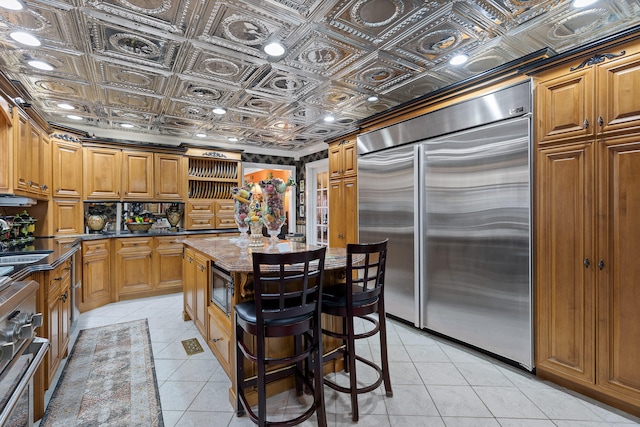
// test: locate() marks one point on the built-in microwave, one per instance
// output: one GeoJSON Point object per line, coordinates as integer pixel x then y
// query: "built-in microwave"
{"type": "Point", "coordinates": [221, 288]}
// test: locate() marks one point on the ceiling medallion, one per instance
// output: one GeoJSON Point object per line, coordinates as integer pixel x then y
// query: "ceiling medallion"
{"type": "Point", "coordinates": [144, 7]}
{"type": "Point", "coordinates": [132, 78]}
{"type": "Point", "coordinates": [127, 115]}
{"type": "Point", "coordinates": [192, 110]}
{"type": "Point", "coordinates": [133, 44]}
{"type": "Point", "coordinates": [376, 75]}
{"type": "Point", "coordinates": [131, 100]}
{"type": "Point", "coordinates": [260, 104]}
{"type": "Point", "coordinates": [438, 42]}
{"type": "Point", "coordinates": [579, 23]}
{"type": "Point", "coordinates": [221, 67]}
{"type": "Point", "coordinates": [28, 20]}
{"type": "Point", "coordinates": [288, 83]}
{"type": "Point", "coordinates": [323, 56]}
{"type": "Point", "coordinates": [204, 93]}
{"type": "Point", "coordinates": [336, 97]}
{"type": "Point", "coordinates": [376, 13]}
{"type": "Point", "coordinates": [56, 87]}
{"type": "Point", "coordinates": [245, 30]}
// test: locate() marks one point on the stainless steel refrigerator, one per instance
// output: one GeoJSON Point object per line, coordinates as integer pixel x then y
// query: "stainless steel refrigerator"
{"type": "Point", "coordinates": [454, 202]}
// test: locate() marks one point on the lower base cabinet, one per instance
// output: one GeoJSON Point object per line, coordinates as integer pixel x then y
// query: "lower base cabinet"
{"type": "Point", "coordinates": [96, 289]}
{"type": "Point", "coordinates": [57, 317]}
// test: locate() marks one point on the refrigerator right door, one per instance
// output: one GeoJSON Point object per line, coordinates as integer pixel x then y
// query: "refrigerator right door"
{"type": "Point", "coordinates": [475, 246]}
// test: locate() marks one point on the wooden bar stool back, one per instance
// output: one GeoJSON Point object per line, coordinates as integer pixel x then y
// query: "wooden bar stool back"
{"type": "Point", "coordinates": [362, 297]}
{"type": "Point", "coordinates": [287, 301]}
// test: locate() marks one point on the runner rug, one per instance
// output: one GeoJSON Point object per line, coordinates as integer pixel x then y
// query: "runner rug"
{"type": "Point", "coordinates": [109, 380]}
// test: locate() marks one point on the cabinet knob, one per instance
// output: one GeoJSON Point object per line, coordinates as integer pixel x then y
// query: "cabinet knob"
{"type": "Point", "coordinates": [57, 190]}
{"type": "Point", "coordinates": [586, 263]}
{"type": "Point", "coordinates": [601, 264]}
{"type": "Point", "coordinates": [600, 121]}
{"type": "Point", "coordinates": [586, 123]}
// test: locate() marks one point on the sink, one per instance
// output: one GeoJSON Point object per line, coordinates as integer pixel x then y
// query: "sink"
{"type": "Point", "coordinates": [26, 258]}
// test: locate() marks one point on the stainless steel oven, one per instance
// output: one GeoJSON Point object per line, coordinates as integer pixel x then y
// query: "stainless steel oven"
{"type": "Point", "coordinates": [21, 352]}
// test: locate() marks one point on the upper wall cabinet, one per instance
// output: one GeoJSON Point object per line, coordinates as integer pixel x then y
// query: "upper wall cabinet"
{"type": "Point", "coordinates": [102, 173]}
{"type": "Point", "coordinates": [67, 168]}
{"type": "Point", "coordinates": [137, 175]}
{"type": "Point", "coordinates": [169, 176]}
{"type": "Point", "coordinates": [343, 159]}
{"type": "Point", "coordinates": [583, 101]}
{"type": "Point", "coordinates": [32, 157]}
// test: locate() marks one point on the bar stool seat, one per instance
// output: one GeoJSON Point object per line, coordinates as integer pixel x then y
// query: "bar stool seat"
{"type": "Point", "coordinates": [361, 297]}
{"type": "Point", "coordinates": [287, 301]}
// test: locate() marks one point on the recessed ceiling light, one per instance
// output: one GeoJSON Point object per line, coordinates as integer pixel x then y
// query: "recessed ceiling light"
{"type": "Point", "coordinates": [274, 49]}
{"type": "Point", "coordinates": [11, 4]}
{"type": "Point", "coordinates": [25, 38]}
{"type": "Point", "coordinates": [74, 117]}
{"type": "Point", "coordinates": [126, 125]}
{"type": "Point", "coordinates": [201, 135]}
{"type": "Point", "coordinates": [232, 139]}
{"type": "Point", "coordinates": [372, 98]}
{"type": "Point", "coordinates": [66, 106]}
{"type": "Point", "coordinates": [459, 59]}
{"type": "Point", "coordinates": [40, 65]}
{"type": "Point", "coordinates": [219, 110]}
{"type": "Point", "coordinates": [329, 118]}
{"type": "Point", "coordinates": [583, 3]}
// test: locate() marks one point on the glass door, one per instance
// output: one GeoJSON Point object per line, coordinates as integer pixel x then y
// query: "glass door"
{"type": "Point", "coordinates": [322, 208]}
{"type": "Point", "coordinates": [317, 202]}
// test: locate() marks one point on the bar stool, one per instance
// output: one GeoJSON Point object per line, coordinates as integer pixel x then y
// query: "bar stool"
{"type": "Point", "coordinates": [361, 297]}
{"type": "Point", "coordinates": [288, 292]}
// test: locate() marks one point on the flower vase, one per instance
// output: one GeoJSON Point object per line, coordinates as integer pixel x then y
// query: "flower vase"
{"type": "Point", "coordinates": [256, 234]}
{"type": "Point", "coordinates": [273, 211]}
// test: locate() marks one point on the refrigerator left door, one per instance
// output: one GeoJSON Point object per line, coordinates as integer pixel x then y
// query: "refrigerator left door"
{"type": "Point", "coordinates": [386, 205]}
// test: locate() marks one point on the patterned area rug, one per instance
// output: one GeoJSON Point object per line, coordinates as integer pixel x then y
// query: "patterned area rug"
{"type": "Point", "coordinates": [109, 380]}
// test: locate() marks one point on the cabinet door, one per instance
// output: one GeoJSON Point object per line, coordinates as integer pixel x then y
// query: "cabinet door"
{"type": "Point", "coordinates": [335, 161]}
{"type": "Point", "coordinates": [22, 152]}
{"type": "Point", "coordinates": [102, 173]}
{"type": "Point", "coordinates": [133, 267]}
{"type": "Point", "coordinates": [188, 283]}
{"type": "Point", "coordinates": [565, 262]}
{"type": "Point", "coordinates": [350, 206]}
{"type": "Point", "coordinates": [201, 293]}
{"type": "Point", "coordinates": [337, 220]}
{"type": "Point", "coordinates": [618, 88]}
{"type": "Point", "coordinates": [349, 159]}
{"type": "Point", "coordinates": [564, 107]}
{"type": "Point", "coordinates": [137, 179]}
{"type": "Point", "coordinates": [169, 177]}
{"type": "Point", "coordinates": [167, 264]}
{"type": "Point", "coordinates": [53, 330]}
{"type": "Point", "coordinates": [67, 169]}
{"type": "Point", "coordinates": [6, 149]}
{"type": "Point", "coordinates": [67, 217]}
{"type": "Point", "coordinates": [44, 170]}
{"type": "Point", "coordinates": [96, 274]}
{"type": "Point", "coordinates": [619, 273]}
{"type": "Point", "coordinates": [224, 210]}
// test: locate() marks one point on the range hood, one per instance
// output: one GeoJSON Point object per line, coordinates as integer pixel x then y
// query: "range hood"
{"type": "Point", "coordinates": [16, 201]}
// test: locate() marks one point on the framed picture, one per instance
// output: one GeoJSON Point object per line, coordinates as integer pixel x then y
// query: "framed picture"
{"type": "Point", "coordinates": [301, 198]}
{"type": "Point", "coordinates": [301, 211]}
{"type": "Point", "coordinates": [301, 186]}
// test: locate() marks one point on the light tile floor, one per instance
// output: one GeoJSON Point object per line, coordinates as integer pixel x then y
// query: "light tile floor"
{"type": "Point", "coordinates": [435, 382]}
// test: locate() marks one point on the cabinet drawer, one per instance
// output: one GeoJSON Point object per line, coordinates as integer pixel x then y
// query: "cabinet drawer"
{"type": "Point", "coordinates": [220, 338]}
{"type": "Point", "coordinates": [200, 207]}
{"type": "Point", "coordinates": [200, 222]}
{"type": "Point", "coordinates": [224, 222]}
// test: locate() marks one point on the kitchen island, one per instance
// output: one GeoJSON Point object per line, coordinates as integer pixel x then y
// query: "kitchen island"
{"type": "Point", "coordinates": [217, 274]}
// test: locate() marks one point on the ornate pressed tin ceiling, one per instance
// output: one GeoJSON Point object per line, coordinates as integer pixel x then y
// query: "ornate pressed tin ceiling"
{"type": "Point", "coordinates": [163, 65]}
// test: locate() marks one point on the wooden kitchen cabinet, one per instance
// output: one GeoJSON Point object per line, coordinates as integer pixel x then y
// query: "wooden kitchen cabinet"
{"type": "Point", "coordinates": [586, 206]}
{"type": "Point", "coordinates": [102, 173]}
{"type": "Point", "coordinates": [67, 169]}
{"type": "Point", "coordinates": [343, 193]}
{"type": "Point", "coordinates": [68, 216]}
{"type": "Point", "coordinates": [96, 274]}
{"type": "Point", "coordinates": [167, 264]}
{"type": "Point", "coordinates": [343, 157]}
{"type": "Point", "coordinates": [219, 340]}
{"type": "Point", "coordinates": [32, 158]}
{"type": "Point", "coordinates": [137, 175]}
{"type": "Point", "coordinates": [343, 212]}
{"type": "Point", "coordinates": [201, 300]}
{"type": "Point", "coordinates": [133, 267]}
{"type": "Point", "coordinates": [169, 177]}
{"type": "Point", "coordinates": [57, 317]}
{"type": "Point", "coordinates": [189, 283]}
